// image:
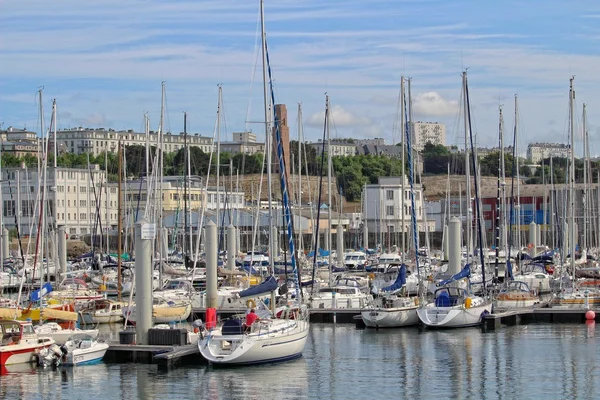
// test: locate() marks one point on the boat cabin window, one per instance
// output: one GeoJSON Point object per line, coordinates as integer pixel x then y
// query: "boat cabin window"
{"type": "Point", "coordinates": [10, 333]}
{"type": "Point", "coordinates": [28, 329]}
{"type": "Point", "coordinates": [11, 327]}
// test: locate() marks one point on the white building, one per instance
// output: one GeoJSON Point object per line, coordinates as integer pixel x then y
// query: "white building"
{"type": "Point", "coordinates": [244, 137]}
{"type": "Point", "coordinates": [338, 148]}
{"type": "Point", "coordinates": [174, 192]}
{"type": "Point", "coordinates": [75, 199]}
{"type": "Point", "coordinates": [97, 141]}
{"type": "Point", "coordinates": [424, 132]}
{"type": "Point", "coordinates": [536, 152]}
{"type": "Point", "coordinates": [385, 204]}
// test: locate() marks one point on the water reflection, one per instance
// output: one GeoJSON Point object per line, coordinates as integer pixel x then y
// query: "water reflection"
{"type": "Point", "coordinates": [532, 361]}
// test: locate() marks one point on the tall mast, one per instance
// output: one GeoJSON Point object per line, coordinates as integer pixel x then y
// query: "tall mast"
{"type": "Point", "coordinates": [329, 201]}
{"type": "Point", "coordinates": [301, 243]}
{"type": "Point", "coordinates": [409, 147]}
{"type": "Point", "coordinates": [160, 183]}
{"type": "Point", "coordinates": [219, 226]}
{"type": "Point", "coordinates": [119, 219]}
{"type": "Point", "coordinates": [500, 186]}
{"type": "Point", "coordinates": [107, 220]}
{"type": "Point", "coordinates": [517, 173]}
{"type": "Point", "coordinates": [584, 197]}
{"type": "Point", "coordinates": [503, 224]}
{"type": "Point", "coordinates": [189, 177]}
{"type": "Point", "coordinates": [185, 183]}
{"type": "Point", "coordinates": [469, 223]}
{"type": "Point", "coordinates": [147, 132]}
{"type": "Point", "coordinates": [268, 140]}
{"type": "Point", "coordinates": [404, 129]}
{"type": "Point", "coordinates": [572, 177]}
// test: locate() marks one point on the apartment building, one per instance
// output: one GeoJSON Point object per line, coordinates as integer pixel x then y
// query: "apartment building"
{"type": "Point", "coordinates": [97, 141]}
{"type": "Point", "coordinates": [78, 198]}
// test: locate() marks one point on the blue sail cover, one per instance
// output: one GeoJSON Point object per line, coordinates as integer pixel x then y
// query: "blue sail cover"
{"type": "Point", "coordinates": [38, 294]}
{"type": "Point", "coordinates": [267, 286]}
{"type": "Point", "coordinates": [465, 273]}
{"type": "Point", "coordinates": [400, 281]}
{"type": "Point", "coordinates": [321, 252]}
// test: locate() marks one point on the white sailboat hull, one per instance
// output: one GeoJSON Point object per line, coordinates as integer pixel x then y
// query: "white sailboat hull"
{"type": "Point", "coordinates": [452, 317]}
{"type": "Point", "coordinates": [390, 317]}
{"type": "Point", "coordinates": [257, 348]}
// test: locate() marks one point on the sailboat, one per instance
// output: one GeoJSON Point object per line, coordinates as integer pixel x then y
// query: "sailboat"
{"type": "Point", "coordinates": [574, 296]}
{"type": "Point", "coordinates": [393, 308]}
{"type": "Point", "coordinates": [454, 306]}
{"type": "Point", "coordinates": [270, 339]}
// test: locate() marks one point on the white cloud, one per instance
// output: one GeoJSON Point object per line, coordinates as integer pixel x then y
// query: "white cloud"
{"type": "Point", "coordinates": [432, 104]}
{"type": "Point", "coordinates": [339, 117]}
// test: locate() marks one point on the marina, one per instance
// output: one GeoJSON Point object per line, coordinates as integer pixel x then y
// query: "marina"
{"type": "Point", "coordinates": [283, 260]}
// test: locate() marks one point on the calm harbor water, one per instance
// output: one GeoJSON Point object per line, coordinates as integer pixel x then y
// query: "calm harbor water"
{"type": "Point", "coordinates": [521, 362]}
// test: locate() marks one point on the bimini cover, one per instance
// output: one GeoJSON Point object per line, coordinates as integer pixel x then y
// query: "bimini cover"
{"type": "Point", "coordinates": [465, 273]}
{"type": "Point", "coordinates": [264, 287]}
{"type": "Point", "coordinates": [400, 281]}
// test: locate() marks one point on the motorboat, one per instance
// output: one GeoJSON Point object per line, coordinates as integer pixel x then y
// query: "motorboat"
{"type": "Point", "coordinates": [60, 334]}
{"type": "Point", "coordinates": [345, 293]}
{"type": "Point", "coordinates": [104, 311]}
{"type": "Point", "coordinates": [268, 340]}
{"type": "Point", "coordinates": [355, 260]}
{"type": "Point", "coordinates": [82, 349]}
{"type": "Point", "coordinates": [516, 294]}
{"type": "Point", "coordinates": [19, 342]}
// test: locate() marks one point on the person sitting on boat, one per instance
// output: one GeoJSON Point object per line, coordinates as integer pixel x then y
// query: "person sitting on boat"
{"type": "Point", "coordinates": [251, 318]}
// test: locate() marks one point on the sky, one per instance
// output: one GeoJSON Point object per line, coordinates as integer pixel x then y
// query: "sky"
{"type": "Point", "coordinates": [104, 62]}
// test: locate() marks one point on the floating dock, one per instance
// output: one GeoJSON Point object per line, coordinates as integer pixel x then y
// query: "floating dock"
{"type": "Point", "coordinates": [181, 353]}
{"type": "Point", "coordinates": [168, 356]}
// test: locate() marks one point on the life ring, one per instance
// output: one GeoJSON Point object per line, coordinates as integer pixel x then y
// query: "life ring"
{"type": "Point", "coordinates": [250, 303]}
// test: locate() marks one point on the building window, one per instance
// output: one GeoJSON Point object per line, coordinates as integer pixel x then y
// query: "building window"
{"type": "Point", "coordinates": [9, 208]}
{"type": "Point", "coordinates": [83, 231]}
{"type": "Point", "coordinates": [72, 231]}
{"type": "Point", "coordinates": [390, 228]}
{"type": "Point", "coordinates": [389, 195]}
{"type": "Point", "coordinates": [27, 207]}
{"type": "Point", "coordinates": [83, 216]}
{"type": "Point", "coordinates": [82, 203]}
{"type": "Point", "coordinates": [390, 211]}
{"type": "Point", "coordinates": [82, 189]}
{"type": "Point", "coordinates": [69, 216]}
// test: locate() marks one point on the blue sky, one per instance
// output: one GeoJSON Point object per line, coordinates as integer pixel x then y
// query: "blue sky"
{"type": "Point", "coordinates": [104, 62]}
